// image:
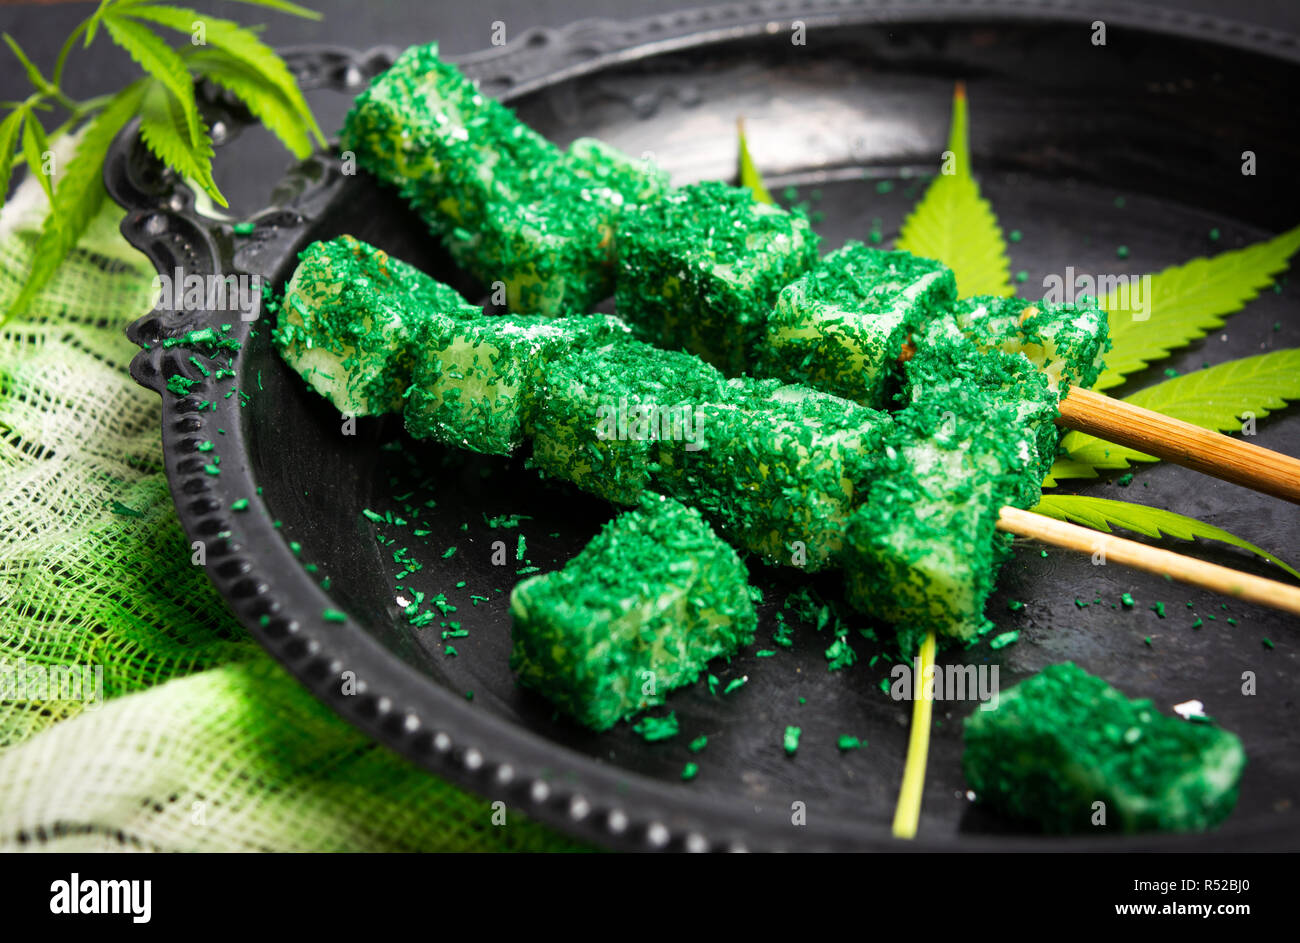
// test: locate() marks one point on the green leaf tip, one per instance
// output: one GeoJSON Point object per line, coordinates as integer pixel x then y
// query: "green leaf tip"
{"type": "Point", "coordinates": [749, 175]}
{"type": "Point", "coordinates": [954, 223]}
{"type": "Point", "coordinates": [1103, 513]}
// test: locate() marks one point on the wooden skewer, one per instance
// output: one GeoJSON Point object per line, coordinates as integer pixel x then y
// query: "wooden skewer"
{"type": "Point", "coordinates": [1211, 576]}
{"type": "Point", "coordinates": [1182, 443]}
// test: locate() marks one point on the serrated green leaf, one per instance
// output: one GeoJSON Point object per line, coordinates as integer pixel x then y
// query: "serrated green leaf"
{"type": "Point", "coordinates": [239, 42]}
{"type": "Point", "coordinates": [1214, 398]}
{"type": "Point", "coordinates": [92, 24]}
{"type": "Point", "coordinates": [748, 174]}
{"type": "Point", "coordinates": [282, 6]}
{"type": "Point", "coordinates": [33, 74]}
{"type": "Point", "coordinates": [1188, 301]}
{"type": "Point", "coordinates": [34, 148]}
{"type": "Point", "coordinates": [1102, 513]}
{"type": "Point", "coordinates": [10, 128]}
{"type": "Point", "coordinates": [1065, 467]}
{"type": "Point", "coordinates": [956, 225]}
{"type": "Point", "coordinates": [159, 60]}
{"type": "Point", "coordinates": [266, 102]}
{"type": "Point", "coordinates": [78, 193]}
{"type": "Point", "coordinates": [163, 130]}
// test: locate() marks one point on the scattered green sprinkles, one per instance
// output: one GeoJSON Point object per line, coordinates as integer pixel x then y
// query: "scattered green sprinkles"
{"type": "Point", "coordinates": [1127, 600]}
{"type": "Point", "coordinates": [1015, 605]}
{"type": "Point", "coordinates": [334, 615]}
{"type": "Point", "coordinates": [689, 771]}
{"type": "Point", "coordinates": [1003, 640]}
{"type": "Point", "coordinates": [849, 742]}
{"type": "Point", "coordinates": [1121, 252]}
{"type": "Point", "coordinates": [1268, 643]}
{"type": "Point", "coordinates": [239, 505]}
{"type": "Point", "coordinates": [242, 229]}
{"type": "Point", "coordinates": [180, 385]}
{"type": "Point", "coordinates": [790, 741]}
{"type": "Point", "coordinates": [1158, 609]}
{"type": "Point", "coordinates": [735, 683]}
{"type": "Point", "coordinates": [698, 744]}
{"type": "Point", "coordinates": [1015, 235]}
{"type": "Point", "coordinates": [657, 728]}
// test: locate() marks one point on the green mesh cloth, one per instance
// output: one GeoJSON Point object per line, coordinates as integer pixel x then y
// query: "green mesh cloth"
{"type": "Point", "coordinates": [201, 742]}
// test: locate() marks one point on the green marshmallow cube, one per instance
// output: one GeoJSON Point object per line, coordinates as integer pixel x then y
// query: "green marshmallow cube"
{"type": "Point", "coordinates": [637, 181]}
{"type": "Point", "coordinates": [351, 318]}
{"type": "Point", "coordinates": [511, 208]}
{"type": "Point", "coordinates": [424, 128]}
{"type": "Point", "coordinates": [607, 416]}
{"type": "Point", "coordinates": [780, 469]}
{"type": "Point", "coordinates": [1063, 740]}
{"type": "Point", "coordinates": [640, 611]}
{"type": "Point", "coordinates": [841, 327]}
{"type": "Point", "coordinates": [475, 382]}
{"type": "Point", "coordinates": [1065, 341]}
{"type": "Point", "coordinates": [700, 268]}
{"type": "Point", "coordinates": [948, 363]}
{"type": "Point", "coordinates": [923, 551]}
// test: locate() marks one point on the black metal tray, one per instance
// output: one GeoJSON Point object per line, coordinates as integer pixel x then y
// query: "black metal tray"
{"type": "Point", "coordinates": [1060, 128]}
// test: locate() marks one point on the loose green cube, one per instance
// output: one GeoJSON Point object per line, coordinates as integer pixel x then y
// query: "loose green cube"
{"type": "Point", "coordinates": [350, 320]}
{"type": "Point", "coordinates": [476, 381]}
{"type": "Point", "coordinates": [1065, 341]}
{"type": "Point", "coordinates": [842, 326]}
{"type": "Point", "coordinates": [607, 415]}
{"type": "Point", "coordinates": [640, 611]}
{"type": "Point", "coordinates": [1063, 740]}
{"type": "Point", "coordinates": [701, 268]}
{"type": "Point", "coordinates": [780, 469]}
{"type": "Point", "coordinates": [923, 551]}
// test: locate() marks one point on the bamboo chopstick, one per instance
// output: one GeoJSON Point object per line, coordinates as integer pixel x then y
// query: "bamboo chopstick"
{"type": "Point", "coordinates": [1185, 569]}
{"type": "Point", "coordinates": [1182, 443]}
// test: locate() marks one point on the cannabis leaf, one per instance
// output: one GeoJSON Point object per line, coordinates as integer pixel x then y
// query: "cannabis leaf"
{"type": "Point", "coordinates": [9, 129]}
{"type": "Point", "coordinates": [749, 175]}
{"type": "Point", "coordinates": [1188, 301]}
{"type": "Point", "coordinates": [167, 67]}
{"type": "Point", "coordinates": [239, 42]}
{"type": "Point", "coordinates": [1101, 513]}
{"type": "Point", "coordinates": [79, 192]}
{"type": "Point", "coordinates": [171, 126]}
{"type": "Point", "coordinates": [165, 131]}
{"type": "Point", "coordinates": [266, 103]}
{"type": "Point", "coordinates": [1214, 398]}
{"type": "Point", "coordinates": [956, 225]}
